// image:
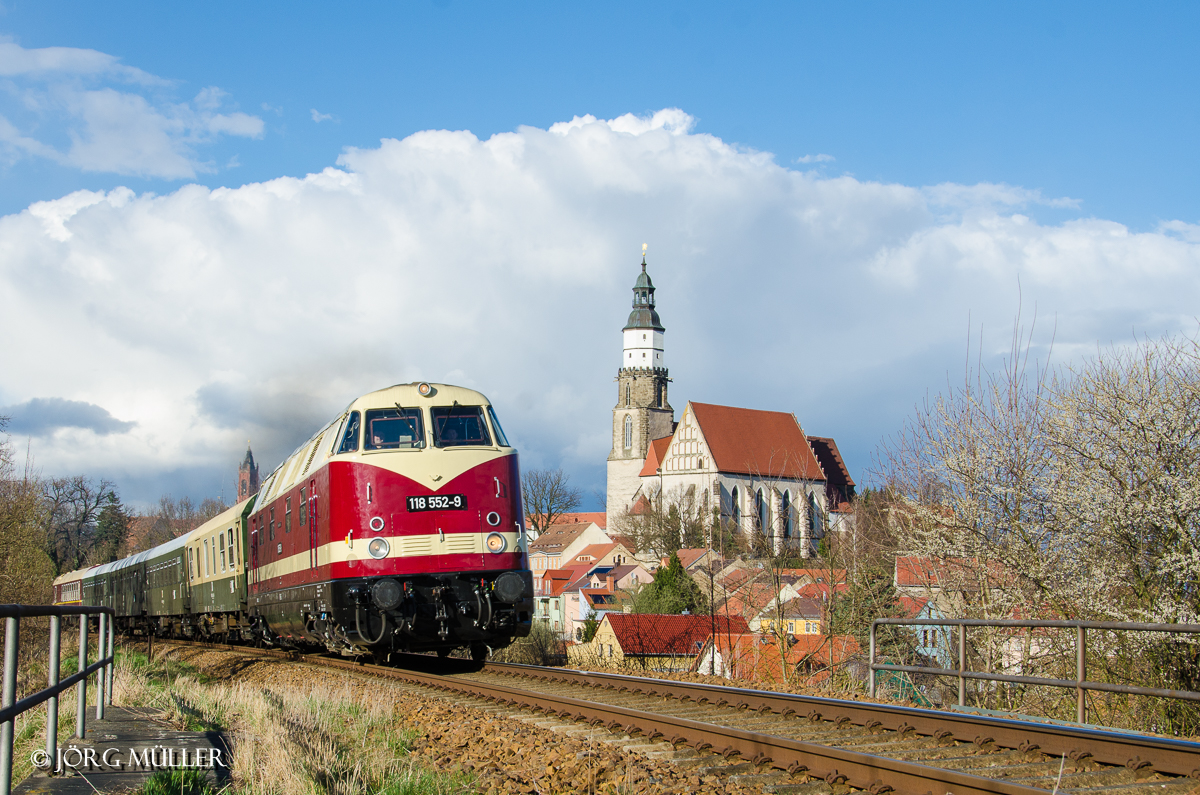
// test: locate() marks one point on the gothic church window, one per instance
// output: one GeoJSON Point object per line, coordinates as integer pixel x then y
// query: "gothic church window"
{"type": "Point", "coordinates": [785, 508]}
{"type": "Point", "coordinates": [737, 508]}
{"type": "Point", "coordinates": [760, 513]}
{"type": "Point", "coordinates": [627, 395]}
{"type": "Point", "coordinates": [628, 431]}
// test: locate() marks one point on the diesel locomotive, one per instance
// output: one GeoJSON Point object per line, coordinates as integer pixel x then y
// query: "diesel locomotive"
{"type": "Point", "coordinates": [396, 527]}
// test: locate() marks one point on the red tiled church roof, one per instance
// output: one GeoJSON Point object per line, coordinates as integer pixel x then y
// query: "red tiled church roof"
{"type": "Point", "coordinates": [754, 442]}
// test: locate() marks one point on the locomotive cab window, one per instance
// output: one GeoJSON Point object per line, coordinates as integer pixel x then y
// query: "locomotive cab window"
{"type": "Point", "coordinates": [394, 429]}
{"type": "Point", "coordinates": [303, 508]}
{"type": "Point", "coordinates": [459, 426]}
{"type": "Point", "coordinates": [501, 439]}
{"type": "Point", "coordinates": [350, 435]}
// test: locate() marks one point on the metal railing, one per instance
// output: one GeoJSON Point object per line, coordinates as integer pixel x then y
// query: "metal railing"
{"type": "Point", "coordinates": [12, 708]}
{"type": "Point", "coordinates": [1079, 683]}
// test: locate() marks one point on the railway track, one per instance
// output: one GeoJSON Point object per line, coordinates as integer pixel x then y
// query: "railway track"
{"type": "Point", "coordinates": [803, 744]}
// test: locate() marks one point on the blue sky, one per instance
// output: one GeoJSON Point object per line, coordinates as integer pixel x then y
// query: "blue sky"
{"type": "Point", "coordinates": [1093, 101]}
{"type": "Point", "coordinates": [832, 194]}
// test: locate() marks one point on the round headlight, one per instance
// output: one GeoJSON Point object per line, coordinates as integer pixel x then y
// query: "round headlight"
{"type": "Point", "coordinates": [496, 542]}
{"type": "Point", "coordinates": [378, 548]}
{"type": "Point", "coordinates": [376, 523]}
{"type": "Point", "coordinates": [424, 389]}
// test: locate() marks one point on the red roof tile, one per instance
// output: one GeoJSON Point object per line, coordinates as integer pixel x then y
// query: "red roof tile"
{"type": "Point", "coordinates": [753, 442]}
{"type": "Point", "coordinates": [599, 517]}
{"type": "Point", "coordinates": [654, 456]}
{"type": "Point", "coordinates": [558, 537]}
{"type": "Point", "coordinates": [650, 634]}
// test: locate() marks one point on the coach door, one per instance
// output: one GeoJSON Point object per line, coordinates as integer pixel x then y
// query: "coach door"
{"type": "Point", "coordinates": [312, 524]}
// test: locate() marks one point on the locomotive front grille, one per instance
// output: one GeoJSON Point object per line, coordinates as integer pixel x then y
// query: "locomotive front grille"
{"type": "Point", "coordinates": [462, 543]}
{"type": "Point", "coordinates": [417, 545]}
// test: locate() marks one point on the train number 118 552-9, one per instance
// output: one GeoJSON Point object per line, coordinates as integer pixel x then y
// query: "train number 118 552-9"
{"type": "Point", "coordinates": [438, 502]}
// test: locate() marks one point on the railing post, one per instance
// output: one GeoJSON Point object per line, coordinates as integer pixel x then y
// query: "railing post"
{"type": "Point", "coordinates": [101, 642]}
{"type": "Point", "coordinates": [112, 631]}
{"type": "Point", "coordinates": [962, 665]}
{"type": "Point", "coordinates": [873, 625]}
{"type": "Point", "coordinates": [1080, 673]}
{"type": "Point", "coordinates": [11, 630]}
{"type": "Point", "coordinates": [52, 703]}
{"type": "Point", "coordinates": [81, 688]}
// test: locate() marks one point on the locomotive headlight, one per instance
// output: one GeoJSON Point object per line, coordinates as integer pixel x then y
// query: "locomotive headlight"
{"type": "Point", "coordinates": [378, 548]}
{"type": "Point", "coordinates": [496, 542]}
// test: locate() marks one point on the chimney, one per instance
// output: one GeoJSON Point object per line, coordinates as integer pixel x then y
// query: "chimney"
{"type": "Point", "coordinates": [612, 583]}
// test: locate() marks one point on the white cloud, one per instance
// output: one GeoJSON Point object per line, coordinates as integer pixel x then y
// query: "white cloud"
{"type": "Point", "coordinates": [210, 316]}
{"type": "Point", "coordinates": [815, 159]}
{"type": "Point", "coordinates": [59, 93]}
{"type": "Point", "coordinates": [320, 117]}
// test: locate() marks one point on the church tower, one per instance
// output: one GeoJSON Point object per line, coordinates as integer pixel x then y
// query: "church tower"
{"type": "Point", "coordinates": [642, 413]}
{"type": "Point", "coordinates": [247, 476]}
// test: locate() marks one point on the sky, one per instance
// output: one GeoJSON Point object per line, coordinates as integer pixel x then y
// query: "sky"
{"type": "Point", "coordinates": [224, 222]}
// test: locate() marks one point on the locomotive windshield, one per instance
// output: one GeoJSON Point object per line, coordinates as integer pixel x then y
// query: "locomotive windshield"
{"type": "Point", "coordinates": [458, 426]}
{"type": "Point", "coordinates": [394, 429]}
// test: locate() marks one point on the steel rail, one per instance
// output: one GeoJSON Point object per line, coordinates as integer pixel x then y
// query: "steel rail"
{"type": "Point", "coordinates": [864, 771]}
{"type": "Point", "coordinates": [1166, 755]}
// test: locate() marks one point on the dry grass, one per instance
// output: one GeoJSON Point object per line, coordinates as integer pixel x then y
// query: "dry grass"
{"type": "Point", "coordinates": [288, 738]}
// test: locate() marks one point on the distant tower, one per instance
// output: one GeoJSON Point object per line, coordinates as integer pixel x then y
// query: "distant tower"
{"type": "Point", "coordinates": [642, 412]}
{"type": "Point", "coordinates": [247, 476]}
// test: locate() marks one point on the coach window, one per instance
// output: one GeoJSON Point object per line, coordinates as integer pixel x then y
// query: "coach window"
{"type": "Point", "coordinates": [214, 557]}
{"type": "Point", "coordinates": [350, 435]}
{"type": "Point", "coordinates": [459, 426]}
{"type": "Point", "coordinates": [191, 565]}
{"type": "Point", "coordinates": [206, 557]}
{"type": "Point", "coordinates": [271, 524]}
{"type": "Point", "coordinates": [287, 515]}
{"type": "Point", "coordinates": [232, 557]}
{"type": "Point", "coordinates": [394, 429]}
{"type": "Point", "coordinates": [222, 552]}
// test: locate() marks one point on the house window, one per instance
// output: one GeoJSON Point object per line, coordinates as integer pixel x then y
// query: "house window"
{"type": "Point", "coordinates": [792, 627]}
{"type": "Point", "coordinates": [785, 508]}
{"type": "Point", "coordinates": [628, 431]}
{"type": "Point", "coordinates": [610, 650]}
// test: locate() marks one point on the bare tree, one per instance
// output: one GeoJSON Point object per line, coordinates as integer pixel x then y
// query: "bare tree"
{"type": "Point", "coordinates": [71, 516]}
{"type": "Point", "coordinates": [547, 494]}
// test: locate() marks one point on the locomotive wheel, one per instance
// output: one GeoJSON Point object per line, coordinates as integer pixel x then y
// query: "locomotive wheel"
{"type": "Point", "coordinates": [479, 652]}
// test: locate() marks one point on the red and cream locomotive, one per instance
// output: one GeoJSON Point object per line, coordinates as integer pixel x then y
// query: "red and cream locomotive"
{"type": "Point", "coordinates": [396, 527]}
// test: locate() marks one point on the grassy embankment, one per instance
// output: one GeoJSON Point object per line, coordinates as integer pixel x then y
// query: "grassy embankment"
{"type": "Point", "coordinates": [287, 738]}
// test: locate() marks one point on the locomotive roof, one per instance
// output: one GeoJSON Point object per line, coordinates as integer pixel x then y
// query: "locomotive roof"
{"type": "Point", "coordinates": [319, 447]}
